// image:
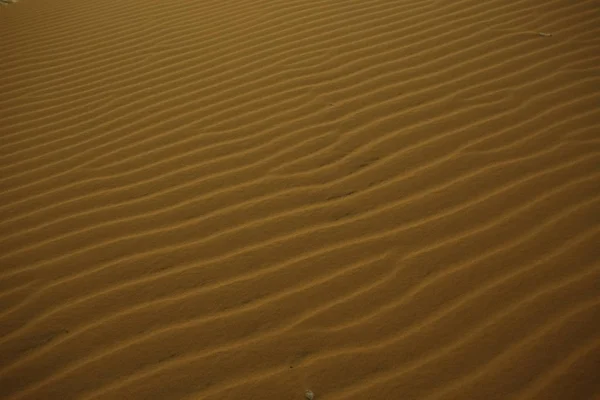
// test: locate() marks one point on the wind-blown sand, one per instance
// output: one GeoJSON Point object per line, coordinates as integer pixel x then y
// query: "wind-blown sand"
{"type": "Point", "coordinates": [248, 199]}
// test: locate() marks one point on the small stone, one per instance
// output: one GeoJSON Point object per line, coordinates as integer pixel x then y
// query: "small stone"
{"type": "Point", "coordinates": [309, 395]}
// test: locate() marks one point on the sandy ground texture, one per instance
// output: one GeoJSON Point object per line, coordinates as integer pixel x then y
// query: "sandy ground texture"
{"type": "Point", "coordinates": [248, 199]}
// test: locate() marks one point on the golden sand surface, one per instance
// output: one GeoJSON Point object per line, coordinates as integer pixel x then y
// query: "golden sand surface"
{"type": "Point", "coordinates": [248, 199]}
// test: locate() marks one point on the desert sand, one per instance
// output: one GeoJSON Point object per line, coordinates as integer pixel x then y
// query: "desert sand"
{"type": "Point", "coordinates": [249, 199]}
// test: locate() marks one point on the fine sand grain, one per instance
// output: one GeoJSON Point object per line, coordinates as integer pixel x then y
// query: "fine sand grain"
{"type": "Point", "coordinates": [279, 199]}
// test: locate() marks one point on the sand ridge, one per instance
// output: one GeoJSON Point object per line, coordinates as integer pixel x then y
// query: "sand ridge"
{"type": "Point", "coordinates": [250, 199]}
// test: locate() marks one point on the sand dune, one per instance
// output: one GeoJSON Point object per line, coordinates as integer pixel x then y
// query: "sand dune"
{"type": "Point", "coordinates": [249, 199]}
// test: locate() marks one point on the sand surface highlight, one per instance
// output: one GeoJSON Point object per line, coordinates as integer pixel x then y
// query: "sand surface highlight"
{"type": "Point", "coordinates": [249, 199]}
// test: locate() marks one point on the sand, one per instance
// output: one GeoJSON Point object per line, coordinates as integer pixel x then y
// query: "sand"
{"type": "Point", "coordinates": [249, 199]}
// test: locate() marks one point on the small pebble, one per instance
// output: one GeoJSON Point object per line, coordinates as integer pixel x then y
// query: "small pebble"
{"type": "Point", "coordinates": [309, 395]}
